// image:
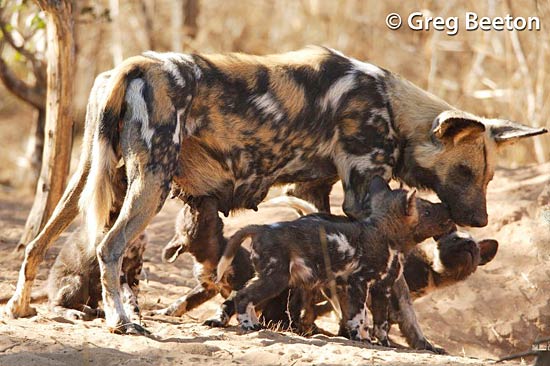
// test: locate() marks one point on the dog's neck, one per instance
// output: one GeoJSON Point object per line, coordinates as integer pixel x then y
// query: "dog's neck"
{"type": "Point", "coordinates": [392, 232]}
{"type": "Point", "coordinates": [414, 111]}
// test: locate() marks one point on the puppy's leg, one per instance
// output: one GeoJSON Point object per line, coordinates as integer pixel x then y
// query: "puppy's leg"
{"type": "Point", "coordinates": [224, 313]}
{"type": "Point", "coordinates": [380, 307]}
{"type": "Point", "coordinates": [197, 296]}
{"type": "Point", "coordinates": [408, 324]}
{"type": "Point", "coordinates": [356, 323]}
{"type": "Point", "coordinates": [306, 325]}
{"type": "Point", "coordinates": [266, 286]}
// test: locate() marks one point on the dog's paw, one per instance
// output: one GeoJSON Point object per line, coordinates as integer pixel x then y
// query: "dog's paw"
{"type": "Point", "coordinates": [424, 344]}
{"type": "Point", "coordinates": [14, 309]}
{"type": "Point", "coordinates": [130, 328]}
{"type": "Point", "coordinates": [215, 323]}
{"type": "Point", "coordinates": [383, 342]}
{"type": "Point", "coordinates": [251, 326]}
{"type": "Point", "coordinates": [73, 314]}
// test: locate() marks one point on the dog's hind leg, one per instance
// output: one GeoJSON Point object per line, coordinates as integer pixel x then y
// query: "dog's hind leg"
{"type": "Point", "coordinates": [146, 193]}
{"type": "Point", "coordinates": [150, 146]}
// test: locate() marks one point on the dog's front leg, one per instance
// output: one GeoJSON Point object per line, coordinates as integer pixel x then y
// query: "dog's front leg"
{"type": "Point", "coordinates": [406, 318]}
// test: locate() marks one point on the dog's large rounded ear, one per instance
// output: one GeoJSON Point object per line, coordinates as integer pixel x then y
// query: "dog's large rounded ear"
{"type": "Point", "coordinates": [455, 126]}
{"type": "Point", "coordinates": [504, 131]}
{"type": "Point", "coordinates": [487, 250]}
{"type": "Point", "coordinates": [378, 185]}
{"type": "Point", "coordinates": [411, 203]}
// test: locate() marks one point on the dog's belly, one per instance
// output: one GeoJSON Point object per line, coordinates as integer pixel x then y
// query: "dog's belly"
{"type": "Point", "coordinates": [240, 177]}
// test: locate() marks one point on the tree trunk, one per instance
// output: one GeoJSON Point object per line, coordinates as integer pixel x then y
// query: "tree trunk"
{"type": "Point", "coordinates": [191, 13]}
{"type": "Point", "coordinates": [177, 25]}
{"type": "Point", "coordinates": [35, 149]}
{"type": "Point", "coordinates": [116, 32]}
{"type": "Point", "coordinates": [58, 127]}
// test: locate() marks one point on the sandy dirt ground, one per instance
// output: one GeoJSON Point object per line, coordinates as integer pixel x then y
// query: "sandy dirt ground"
{"type": "Point", "coordinates": [499, 310]}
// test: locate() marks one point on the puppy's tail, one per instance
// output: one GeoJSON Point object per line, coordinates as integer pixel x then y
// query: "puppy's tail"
{"type": "Point", "coordinates": [98, 195]}
{"type": "Point", "coordinates": [233, 245]}
{"type": "Point", "coordinates": [39, 296]}
{"type": "Point", "coordinates": [301, 206]}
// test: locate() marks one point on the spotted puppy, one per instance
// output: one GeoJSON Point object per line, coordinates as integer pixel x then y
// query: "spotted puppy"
{"type": "Point", "coordinates": [366, 255]}
{"type": "Point", "coordinates": [202, 237]}
{"type": "Point", "coordinates": [428, 267]}
{"type": "Point", "coordinates": [74, 288]}
{"type": "Point", "coordinates": [451, 259]}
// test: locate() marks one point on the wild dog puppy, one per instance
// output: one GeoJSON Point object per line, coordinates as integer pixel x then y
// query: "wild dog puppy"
{"type": "Point", "coordinates": [231, 126]}
{"type": "Point", "coordinates": [366, 255]}
{"type": "Point", "coordinates": [198, 231]}
{"type": "Point", "coordinates": [451, 259]}
{"type": "Point", "coordinates": [428, 267]}
{"type": "Point", "coordinates": [74, 288]}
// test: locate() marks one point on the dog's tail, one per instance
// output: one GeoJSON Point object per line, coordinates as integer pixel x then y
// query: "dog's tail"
{"type": "Point", "coordinates": [302, 207]}
{"type": "Point", "coordinates": [233, 245]}
{"type": "Point", "coordinates": [98, 195]}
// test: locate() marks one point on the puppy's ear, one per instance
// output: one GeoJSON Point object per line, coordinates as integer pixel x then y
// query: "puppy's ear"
{"type": "Point", "coordinates": [378, 185]}
{"type": "Point", "coordinates": [487, 250]}
{"type": "Point", "coordinates": [410, 209]}
{"type": "Point", "coordinates": [172, 250]}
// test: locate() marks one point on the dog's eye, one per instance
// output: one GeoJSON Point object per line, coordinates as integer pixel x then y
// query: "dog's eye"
{"type": "Point", "coordinates": [456, 238]}
{"type": "Point", "coordinates": [426, 213]}
{"type": "Point", "coordinates": [464, 171]}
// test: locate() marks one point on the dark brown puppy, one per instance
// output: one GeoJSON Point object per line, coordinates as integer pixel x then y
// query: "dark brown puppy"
{"type": "Point", "coordinates": [74, 289]}
{"type": "Point", "coordinates": [366, 255]}
{"type": "Point", "coordinates": [198, 231]}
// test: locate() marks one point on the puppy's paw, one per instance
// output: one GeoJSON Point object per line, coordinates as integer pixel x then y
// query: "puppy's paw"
{"type": "Point", "coordinates": [424, 344]}
{"type": "Point", "coordinates": [248, 326]}
{"type": "Point", "coordinates": [215, 323]}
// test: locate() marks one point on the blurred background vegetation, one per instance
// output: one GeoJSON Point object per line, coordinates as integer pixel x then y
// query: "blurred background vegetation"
{"type": "Point", "coordinates": [499, 74]}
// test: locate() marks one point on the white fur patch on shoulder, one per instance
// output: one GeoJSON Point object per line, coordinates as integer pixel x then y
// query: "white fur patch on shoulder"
{"type": "Point", "coordinates": [338, 89]}
{"type": "Point", "coordinates": [367, 68]}
{"type": "Point", "coordinates": [343, 244]}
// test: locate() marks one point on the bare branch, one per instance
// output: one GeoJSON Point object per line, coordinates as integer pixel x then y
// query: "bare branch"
{"type": "Point", "coordinates": [32, 95]}
{"type": "Point", "coordinates": [38, 66]}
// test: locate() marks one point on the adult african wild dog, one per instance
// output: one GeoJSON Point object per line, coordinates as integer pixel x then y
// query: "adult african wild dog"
{"type": "Point", "coordinates": [231, 126]}
{"type": "Point", "coordinates": [365, 256]}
